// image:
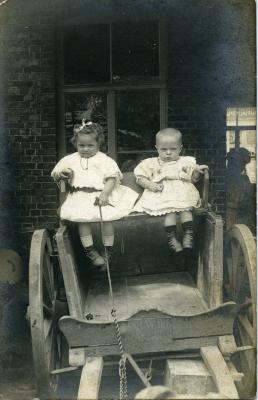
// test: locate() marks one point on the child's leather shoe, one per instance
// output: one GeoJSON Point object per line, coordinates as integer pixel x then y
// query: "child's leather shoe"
{"type": "Point", "coordinates": [94, 257]}
{"type": "Point", "coordinates": [174, 245]}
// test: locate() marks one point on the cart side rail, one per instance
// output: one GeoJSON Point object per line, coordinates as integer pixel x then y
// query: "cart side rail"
{"type": "Point", "coordinates": [70, 274]}
{"type": "Point", "coordinates": [210, 263]}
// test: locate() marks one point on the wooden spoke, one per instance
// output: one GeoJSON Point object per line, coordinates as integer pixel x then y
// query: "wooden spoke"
{"type": "Point", "coordinates": [240, 257]}
{"type": "Point", "coordinates": [44, 314]}
{"type": "Point", "coordinates": [246, 329]}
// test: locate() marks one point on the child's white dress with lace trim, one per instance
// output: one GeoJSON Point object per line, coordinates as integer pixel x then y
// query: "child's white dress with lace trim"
{"type": "Point", "coordinates": [91, 173]}
{"type": "Point", "coordinates": [177, 194]}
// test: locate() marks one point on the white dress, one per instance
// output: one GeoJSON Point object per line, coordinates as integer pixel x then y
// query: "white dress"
{"type": "Point", "coordinates": [177, 194]}
{"type": "Point", "coordinates": [91, 173]}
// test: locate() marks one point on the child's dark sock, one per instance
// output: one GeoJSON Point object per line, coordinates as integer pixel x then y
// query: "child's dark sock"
{"type": "Point", "coordinates": [188, 234]}
{"type": "Point", "coordinates": [173, 243]}
{"type": "Point", "coordinates": [109, 250]}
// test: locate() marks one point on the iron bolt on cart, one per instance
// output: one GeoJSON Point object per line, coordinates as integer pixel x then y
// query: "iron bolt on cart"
{"type": "Point", "coordinates": [196, 313]}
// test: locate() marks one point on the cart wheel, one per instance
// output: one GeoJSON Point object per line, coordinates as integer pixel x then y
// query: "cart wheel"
{"type": "Point", "coordinates": [240, 286]}
{"type": "Point", "coordinates": [44, 312]}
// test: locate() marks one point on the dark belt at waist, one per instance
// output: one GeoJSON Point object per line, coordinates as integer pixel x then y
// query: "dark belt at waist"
{"type": "Point", "coordinates": [73, 189]}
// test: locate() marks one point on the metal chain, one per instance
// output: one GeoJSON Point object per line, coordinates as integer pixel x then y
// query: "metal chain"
{"type": "Point", "coordinates": [122, 362]}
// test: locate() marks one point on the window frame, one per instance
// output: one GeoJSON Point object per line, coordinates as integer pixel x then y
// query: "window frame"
{"type": "Point", "coordinates": [111, 89]}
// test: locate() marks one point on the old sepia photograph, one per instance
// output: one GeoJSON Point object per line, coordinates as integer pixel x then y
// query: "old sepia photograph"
{"type": "Point", "coordinates": [127, 199]}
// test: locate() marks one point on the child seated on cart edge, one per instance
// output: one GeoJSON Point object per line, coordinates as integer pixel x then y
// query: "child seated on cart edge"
{"type": "Point", "coordinates": [92, 174]}
{"type": "Point", "coordinates": [168, 187]}
{"type": "Point", "coordinates": [167, 180]}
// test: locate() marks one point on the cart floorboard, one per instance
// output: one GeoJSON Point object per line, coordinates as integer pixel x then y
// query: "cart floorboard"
{"type": "Point", "coordinates": [173, 293]}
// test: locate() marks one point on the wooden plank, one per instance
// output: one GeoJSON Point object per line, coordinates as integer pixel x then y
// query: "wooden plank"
{"type": "Point", "coordinates": [216, 294]}
{"type": "Point", "coordinates": [227, 344]}
{"type": "Point", "coordinates": [77, 356]}
{"type": "Point", "coordinates": [162, 292]}
{"type": "Point", "coordinates": [140, 85]}
{"type": "Point", "coordinates": [175, 345]}
{"type": "Point", "coordinates": [210, 268]}
{"type": "Point", "coordinates": [135, 332]}
{"type": "Point", "coordinates": [69, 270]}
{"type": "Point", "coordinates": [219, 371]}
{"type": "Point", "coordinates": [188, 377]}
{"type": "Point", "coordinates": [90, 379]}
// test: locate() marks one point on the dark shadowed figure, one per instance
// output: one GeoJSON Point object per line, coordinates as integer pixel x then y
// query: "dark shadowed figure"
{"type": "Point", "coordinates": [239, 190]}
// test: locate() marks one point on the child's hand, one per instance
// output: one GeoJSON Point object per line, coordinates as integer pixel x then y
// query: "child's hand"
{"type": "Point", "coordinates": [198, 171]}
{"type": "Point", "coordinates": [66, 173]}
{"type": "Point", "coordinates": [103, 199]}
{"type": "Point", "coordinates": [156, 187]}
{"type": "Point", "coordinates": [200, 168]}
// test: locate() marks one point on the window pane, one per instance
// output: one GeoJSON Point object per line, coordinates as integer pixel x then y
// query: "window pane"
{"type": "Point", "coordinates": [91, 107]}
{"type": "Point", "coordinates": [86, 54]}
{"type": "Point", "coordinates": [242, 116]}
{"type": "Point", "coordinates": [135, 50]}
{"type": "Point", "coordinates": [137, 121]}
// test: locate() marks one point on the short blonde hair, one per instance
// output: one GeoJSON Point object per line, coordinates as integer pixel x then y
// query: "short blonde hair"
{"type": "Point", "coordinates": [170, 132]}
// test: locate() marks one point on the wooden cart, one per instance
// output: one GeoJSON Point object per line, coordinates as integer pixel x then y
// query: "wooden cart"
{"type": "Point", "coordinates": [189, 311]}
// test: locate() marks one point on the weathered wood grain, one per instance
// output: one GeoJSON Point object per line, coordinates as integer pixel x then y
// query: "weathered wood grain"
{"type": "Point", "coordinates": [90, 379]}
{"type": "Point", "coordinates": [218, 368]}
{"type": "Point", "coordinates": [210, 268]}
{"type": "Point", "coordinates": [188, 377]}
{"type": "Point", "coordinates": [159, 332]}
{"type": "Point", "coordinates": [69, 270]}
{"type": "Point", "coordinates": [171, 293]}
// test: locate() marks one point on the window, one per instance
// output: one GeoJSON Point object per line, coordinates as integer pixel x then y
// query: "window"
{"type": "Point", "coordinates": [114, 74]}
{"type": "Point", "coordinates": [241, 132]}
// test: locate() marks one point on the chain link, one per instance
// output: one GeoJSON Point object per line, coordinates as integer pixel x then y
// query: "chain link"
{"type": "Point", "coordinates": [122, 362]}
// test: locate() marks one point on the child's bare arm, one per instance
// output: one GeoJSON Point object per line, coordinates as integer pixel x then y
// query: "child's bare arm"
{"type": "Point", "coordinates": [145, 183]}
{"type": "Point", "coordinates": [108, 187]}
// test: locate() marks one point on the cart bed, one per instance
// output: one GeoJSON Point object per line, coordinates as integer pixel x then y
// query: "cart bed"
{"type": "Point", "coordinates": [171, 293]}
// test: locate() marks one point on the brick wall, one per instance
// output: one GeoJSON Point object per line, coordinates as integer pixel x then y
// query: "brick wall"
{"type": "Point", "coordinates": [31, 124]}
{"type": "Point", "coordinates": [211, 67]}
